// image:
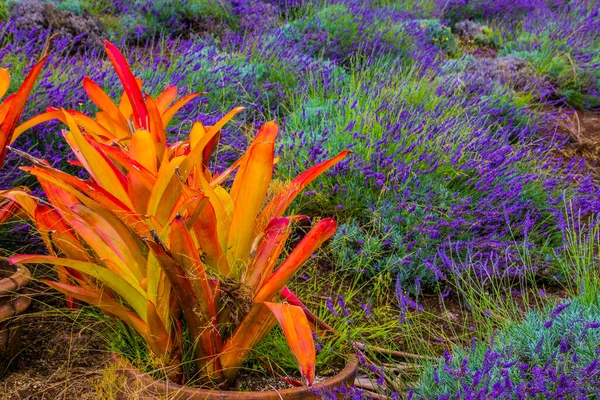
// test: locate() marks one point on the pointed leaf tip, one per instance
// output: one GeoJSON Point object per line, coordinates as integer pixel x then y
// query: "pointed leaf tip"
{"type": "Point", "coordinates": [130, 84]}
{"type": "Point", "coordinates": [298, 335]}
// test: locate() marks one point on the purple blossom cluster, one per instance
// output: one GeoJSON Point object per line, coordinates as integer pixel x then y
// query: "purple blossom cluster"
{"type": "Point", "coordinates": [448, 156]}
{"type": "Point", "coordinates": [529, 359]}
{"type": "Point", "coordinates": [458, 202]}
{"type": "Point", "coordinates": [457, 10]}
{"type": "Point", "coordinates": [343, 30]}
{"type": "Point", "coordinates": [454, 169]}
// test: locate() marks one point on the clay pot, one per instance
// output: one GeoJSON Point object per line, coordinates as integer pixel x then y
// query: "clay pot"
{"type": "Point", "coordinates": [140, 386]}
{"type": "Point", "coordinates": [13, 278]}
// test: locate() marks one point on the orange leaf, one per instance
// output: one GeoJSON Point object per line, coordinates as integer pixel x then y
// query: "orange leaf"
{"type": "Point", "coordinates": [56, 233]}
{"type": "Point", "coordinates": [249, 333]}
{"type": "Point", "coordinates": [101, 99]}
{"type": "Point", "coordinates": [166, 191]}
{"type": "Point", "coordinates": [98, 165]}
{"type": "Point", "coordinates": [158, 337]}
{"type": "Point", "coordinates": [168, 115]}
{"type": "Point", "coordinates": [142, 148]}
{"type": "Point", "coordinates": [127, 249]}
{"type": "Point", "coordinates": [130, 165]}
{"type": "Point", "coordinates": [206, 233]}
{"type": "Point", "coordinates": [5, 107]}
{"type": "Point", "coordinates": [165, 98]}
{"type": "Point", "coordinates": [257, 324]}
{"type": "Point", "coordinates": [128, 290]}
{"type": "Point", "coordinates": [185, 254]}
{"type": "Point", "coordinates": [156, 127]}
{"type": "Point", "coordinates": [205, 332]}
{"type": "Point", "coordinates": [23, 198]}
{"type": "Point", "coordinates": [102, 301]}
{"type": "Point", "coordinates": [322, 231]}
{"type": "Point", "coordinates": [4, 81]}
{"type": "Point", "coordinates": [38, 119]}
{"type": "Point", "coordinates": [8, 210]}
{"type": "Point", "coordinates": [88, 124]}
{"type": "Point", "coordinates": [298, 335]}
{"type": "Point", "coordinates": [83, 191]}
{"type": "Point", "coordinates": [194, 158]}
{"type": "Point", "coordinates": [139, 191]}
{"type": "Point", "coordinates": [198, 130]}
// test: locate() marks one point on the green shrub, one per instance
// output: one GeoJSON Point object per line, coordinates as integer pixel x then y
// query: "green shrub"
{"type": "Point", "coordinates": [440, 35]}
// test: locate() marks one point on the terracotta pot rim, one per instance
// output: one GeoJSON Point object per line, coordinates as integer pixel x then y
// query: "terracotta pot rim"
{"type": "Point", "coordinates": [345, 376]}
{"type": "Point", "coordinates": [16, 306]}
{"type": "Point", "coordinates": [18, 280]}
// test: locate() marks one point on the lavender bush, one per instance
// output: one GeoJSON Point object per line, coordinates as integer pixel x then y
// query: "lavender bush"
{"type": "Point", "coordinates": [554, 353]}
{"type": "Point", "coordinates": [368, 76]}
{"type": "Point", "coordinates": [450, 106]}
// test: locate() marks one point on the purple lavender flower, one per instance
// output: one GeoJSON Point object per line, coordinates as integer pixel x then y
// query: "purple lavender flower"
{"type": "Point", "coordinates": [331, 307]}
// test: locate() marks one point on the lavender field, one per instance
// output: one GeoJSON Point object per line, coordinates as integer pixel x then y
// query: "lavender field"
{"type": "Point", "coordinates": [454, 250]}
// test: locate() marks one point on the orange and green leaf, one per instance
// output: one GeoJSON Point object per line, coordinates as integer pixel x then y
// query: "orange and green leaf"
{"type": "Point", "coordinates": [186, 255]}
{"type": "Point", "coordinates": [267, 254]}
{"type": "Point", "coordinates": [248, 192]}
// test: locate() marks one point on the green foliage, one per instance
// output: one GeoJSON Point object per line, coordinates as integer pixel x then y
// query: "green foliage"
{"type": "Point", "coordinates": [336, 15]}
{"type": "Point", "coordinates": [440, 35]}
{"type": "Point", "coordinates": [373, 226]}
{"type": "Point", "coordinates": [97, 7]}
{"type": "Point", "coordinates": [211, 8]}
{"type": "Point", "coordinates": [74, 6]}
{"type": "Point", "coordinates": [486, 38]}
{"type": "Point", "coordinates": [427, 6]}
{"type": "Point", "coordinates": [122, 340]}
{"type": "Point", "coordinates": [113, 26]}
{"type": "Point", "coordinates": [365, 250]}
{"type": "Point", "coordinates": [337, 32]}
{"type": "Point", "coordinates": [5, 9]}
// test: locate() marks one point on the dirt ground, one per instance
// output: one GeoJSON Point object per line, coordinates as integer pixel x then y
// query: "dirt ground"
{"type": "Point", "coordinates": [583, 130]}
{"type": "Point", "coordinates": [59, 360]}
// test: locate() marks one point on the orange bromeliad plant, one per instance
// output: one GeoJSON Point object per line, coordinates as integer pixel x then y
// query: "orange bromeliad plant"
{"type": "Point", "coordinates": [11, 109]}
{"type": "Point", "coordinates": [153, 235]}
